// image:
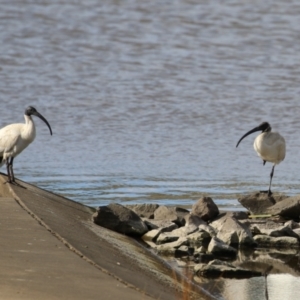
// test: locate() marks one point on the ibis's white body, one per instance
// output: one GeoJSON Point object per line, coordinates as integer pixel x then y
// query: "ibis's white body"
{"type": "Point", "coordinates": [15, 138]}
{"type": "Point", "coordinates": [270, 146]}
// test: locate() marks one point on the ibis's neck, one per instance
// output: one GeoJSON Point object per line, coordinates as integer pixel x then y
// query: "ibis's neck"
{"type": "Point", "coordinates": [29, 129]}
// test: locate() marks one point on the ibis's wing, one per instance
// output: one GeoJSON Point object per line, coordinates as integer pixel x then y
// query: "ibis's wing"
{"type": "Point", "coordinates": [9, 136]}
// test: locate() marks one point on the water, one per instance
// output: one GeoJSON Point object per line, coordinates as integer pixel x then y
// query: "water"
{"type": "Point", "coordinates": [147, 100]}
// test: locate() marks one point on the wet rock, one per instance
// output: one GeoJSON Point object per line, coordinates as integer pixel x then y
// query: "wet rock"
{"type": "Point", "coordinates": [194, 220]}
{"type": "Point", "coordinates": [183, 250]}
{"type": "Point", "coordinates": [258, 203]}
{"type": "Point", "coordinates": [200, 250]}
{"type": "Point", "coordinates": [163, 225]}
{"type": "Point", "coordinates": [288, 208]}
{"type": "Point", "coordinates": [233, 232]}
{"type": "Point", "coordinates": [166, 237]}
{"type": "Point", "coordinates": [144, 210]}
{"type": "Point", "coordinates": [121, 219]}
{"type": "Point", "coordinates": [218, 247]}
{"type": "Point", "coordinates": [185, 230]}
{"type": "Point", "coordinates": [218, 268]}
{"type": "Point", "coordinates": [292, 224]}
{"type": "Point", "coordinates": [276, 242]}
{"type": "Point", "coordinates": [199, 237]}
{"type": "Point", "coordinates": [209, 229]}
{"type": "Point", "coordinates": [205, 208]}
{"type": "Point", "coordinates": [151, 235]}
{"type": "Point", "coordinates": [170, 248]}
{"type": "Point", "coordinates": [218, 222]}
{"type": "Point", "coordinates": [173, 214]}
{"type": "Point", "coordinates": [279, 231]}
{"type": "Point", "coordinates": [297, 231]}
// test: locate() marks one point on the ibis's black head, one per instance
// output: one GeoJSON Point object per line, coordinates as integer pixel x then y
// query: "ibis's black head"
{"type": "Point", "coordinates": [263, 127]}
{"type": "Point", "coordinates": [30, 110]}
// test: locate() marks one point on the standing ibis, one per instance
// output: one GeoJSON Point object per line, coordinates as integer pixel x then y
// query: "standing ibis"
{"type": "Point", "coordinates": [14, 138]}
{"type": "Point", "coordinates": [270, 146]}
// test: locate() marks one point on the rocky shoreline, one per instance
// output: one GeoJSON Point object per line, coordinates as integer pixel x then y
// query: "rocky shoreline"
{"type": "Point", "coordinates": [216, 244]}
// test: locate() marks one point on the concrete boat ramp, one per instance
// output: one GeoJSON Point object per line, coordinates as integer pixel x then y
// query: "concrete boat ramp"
{"type": "Point", "coordinates": [50, 249]}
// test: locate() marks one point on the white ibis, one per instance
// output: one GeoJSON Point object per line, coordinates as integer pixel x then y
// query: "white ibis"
{"type": "Point", "coordinates": [14, 138]}
{"type": "Point", "coordinates": [270, 146]}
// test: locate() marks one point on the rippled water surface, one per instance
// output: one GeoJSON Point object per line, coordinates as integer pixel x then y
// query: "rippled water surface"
{"type": "Point", "coordinates": [147, 99]}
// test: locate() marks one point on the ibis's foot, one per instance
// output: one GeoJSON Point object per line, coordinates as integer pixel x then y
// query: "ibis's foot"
{"type": "Point", "coordinates": [15, 183]}
{"type": "Point", "coordinates": [267, 192]}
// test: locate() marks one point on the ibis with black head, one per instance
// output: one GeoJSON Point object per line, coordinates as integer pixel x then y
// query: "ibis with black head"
{"type": "Point", "coordinates": [14, 138]}
{"type": "Point", "coordinates": [270, 147]}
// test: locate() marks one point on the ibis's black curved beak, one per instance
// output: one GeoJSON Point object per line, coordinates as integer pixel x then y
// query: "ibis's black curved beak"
{"type": "Point", "coordinates": [42, 118]}
{"type": "Point", "coordinates": [249, 132]}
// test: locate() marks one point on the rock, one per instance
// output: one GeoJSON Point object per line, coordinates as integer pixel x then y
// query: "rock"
{"type": "Point", "coordinates": [163, 225]}
{"type": "Point", "coordinates": [205, 208]}
{"type": "Point", "coordinates": [170, 248]}
{"type": "Point", "coordinates": [292, 224]}
{"type": "Point", "coordinates": [199, 238]}
{"type": "Point", "coordinates": [173, 214]}
{"type": "Point", "coordinates": [194, 220]}
{"type": "Point", "coordinates": [183, 250]}
{"type": "Point", "coordinates": [121, 219]}
{"type": "Point", "coordinates": [277, 242]}
{"type": "Point", "coordinates": [217, 268]}
{"type": "Point", "coordinates": [218, 222]}
{"type": "Point", "coordinates": [200, 250]}
{"type": "Point", "coordinates": [257, 203]}
{"type": "Point", "coordinates": [279, 231]}
{"type": "Point", "coordinates": [218, 247]}
{"type": "Point", "coordinates": [185, 230]}
{"type": "Point", "coordinates": [151, 235]}
{"type": "Point", "coordinates": [288, 208]}
{"type": "Point", "coordinates": [209, 229]}
{"type": "Point", "coordinates": [144, 210]}
{"type": "Point", "coordinates": [166, 237]}
{"type": "Point", "coordinates": [297, 231]}
{"type": "Point", "coordinates": [233, 232]}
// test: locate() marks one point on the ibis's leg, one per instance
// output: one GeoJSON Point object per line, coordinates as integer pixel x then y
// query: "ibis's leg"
{"type": "Point", "coordinates": [11, 170]}
{"type": "Point", "coordinates": [8, 170]}
{"type": "Point", "coordinates": [271, 176]}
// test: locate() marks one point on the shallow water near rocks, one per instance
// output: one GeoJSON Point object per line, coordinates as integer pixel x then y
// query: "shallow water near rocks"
{"type": "Point", "coordinates": [147, 100]}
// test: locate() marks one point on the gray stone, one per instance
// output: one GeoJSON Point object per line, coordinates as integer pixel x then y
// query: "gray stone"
{"type": "Point", "coordinates": [144, 210]}
{"type": "Point", "coordinates": [163, 225]}
{"type": "Point", "coordinates": [297, 231]}
{"type": "Point", "coordinates": [288, 208]}
{"type": "Point", "coordinates": [183, 250]}
{"type": "Point", "coordinates": [218, 247]}
{"type": "Point", "coordinates": [151, 235]}
{"type": "Point", "coordinates": [258, 203]}
{"type": "Point", "coordinates": [292, 224]}
{"type": "Point", "coordinates": [233, 232]}
{"type": "Point", "coordinates": [185, 230]}
{"type": "Point", "coordinates": [277, 242]}
{"type": "Point", "coordinates": [173, 214]}
{"type": "Point", "coordinates": [217, 268]}
{"type": "Point", "coordinates": [205, 208]}
{"type": "Point", "coordinates": [209, 229]}
{"type": "Point", "coordinates": [199, 250]}
{"type": "Point", "coordinates": [198, 237]}
{"type": "Point", "coordinates": [194, 220]}
{"type": "Point", "coordinates": [166, 237]}
{"type": "Point", "coordinates": [279, 231]}
{"type": "Point", "coordinates": [170, 248]}
{"type": "Point", "coordinates": [121, 219]}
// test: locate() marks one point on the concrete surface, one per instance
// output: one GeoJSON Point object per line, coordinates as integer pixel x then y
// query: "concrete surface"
{"type": "Point", "coordinates": [50, 249]}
